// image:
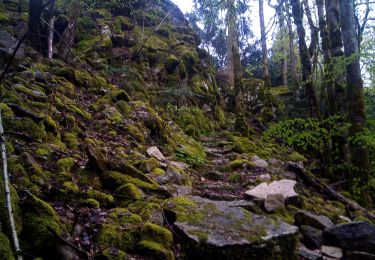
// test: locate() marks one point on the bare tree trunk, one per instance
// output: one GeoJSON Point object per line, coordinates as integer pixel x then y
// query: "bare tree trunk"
{"type": "Point", "coordinates": [335, 35]}
{"type": "Point", "coordinates": [284, 50]}
{"type": "Point", "coordinates": [70, 32]}
{"type": "Point", "coordinates": [305, 58]}
{"type": "Point", "coordinates": [314, 31]}
{"type": "Point", "coordinates": [359, 155]}
{"type": "Point", "coordinates": [292, 54]}
{"type": "Point", "coordinates": [50, 37]}
{"type": "Point", "coordinates": [327, 94]}
{"type": "Point", "coordinates": [266, 70]}
{"type": "Point", "coordinates": [240, 124]}
{"type": "Point", "coordinates": [231, 40]}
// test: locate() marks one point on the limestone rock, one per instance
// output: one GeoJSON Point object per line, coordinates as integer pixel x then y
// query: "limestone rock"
{"type": "Point", "coordinates": [155, 152]}
{"type": "Point", "coordinates": [227, 226]}
{"type": "Point", "coordinates": [283, 187]}
{"type": "Point", "coordinates": [303, 217]}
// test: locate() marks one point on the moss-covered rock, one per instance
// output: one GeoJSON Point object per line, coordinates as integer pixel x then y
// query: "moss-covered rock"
{"type": "Point", "coordinates": [130, 191]}
{"type": "Point", "coordinates": [152, 232]}
{"type": "Point", "coordinates": [90, 203]}
{"type": "Point", "coordinates": [40, 224]}
{"type": "Point", "coordinates": [104, 199]}
{"type": "Point", "coordinates": [5, 248]}
{"type": "Point", "coordinates": [155, 250]}
{"type": "Point", "coordinates": [241, 163]}
{"type": "Point", "coordinates": [149, 165]}
{"type": "Point", "coordinates": [65, 165]}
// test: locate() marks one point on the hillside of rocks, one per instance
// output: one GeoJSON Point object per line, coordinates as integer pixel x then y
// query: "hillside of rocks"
{"type": "Point", "coordinates": [126, 151]}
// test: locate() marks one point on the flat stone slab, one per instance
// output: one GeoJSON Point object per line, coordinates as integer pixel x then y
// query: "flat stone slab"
{"type": "Point", "coordinates": [283, 187]}
{"type": "Point", "coordinates": [223, 223]}
{"type": "Point", "coordinates": [303, 217]}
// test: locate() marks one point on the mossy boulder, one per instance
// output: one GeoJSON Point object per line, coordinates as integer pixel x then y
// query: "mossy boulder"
{"type": "Point", "coordinates": [149, 165]}
{"type": "Point", "coordinates": [152, 232]}
{"type": "Point", "coordinates": [154, 250]}
{"type": "Point", "coordinates": [241, 163]}
{"type": "Point", "coordinates": [129, 191]}
{"type": "Point", "coordinates": [104, 199]}
{"type": "Point", "coordinates": [41, 223]}
{"type": "Point", "coordinates": [5, 248]}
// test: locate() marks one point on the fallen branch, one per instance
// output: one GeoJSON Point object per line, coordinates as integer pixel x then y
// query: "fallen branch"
{"type": "Point", "coordinates": [8, 199]}
{"type": "Point", "coordinates": [326, 190]}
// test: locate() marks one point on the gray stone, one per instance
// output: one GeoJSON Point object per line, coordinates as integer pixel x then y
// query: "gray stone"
{"type": "Point", "coordinates": [360, 256]}
{"type": "Point", "coordinates": [274, 202]}
{"type": "Point", "coordinates": [309, 254]}
{"type": "Point", "coordinates": [355, 236]}
{"type": "Point", "coordinates": [333, 252]}
{"type": "Point", "coordinates": [311, 237]}
{"type": "Point", "coordinates": [283, 187]}
{"type": "Point", "coordinates": [227, 226]}
{"type": "Point", "coordinates": [8, 43]}
{"type": "Point", "coordinates": [155, 152]}
{"type": "Point", "coordinates": [303, 217]}
{"type": "Point", "coordinates": [259, 162]}
{"type": "Point", "coordinates": [214, 175]}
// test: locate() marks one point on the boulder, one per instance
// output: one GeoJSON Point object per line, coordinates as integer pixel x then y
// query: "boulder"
{"type": "Point", "coordinates": [355, 236]}
{"type": "Point", "coordinates": [259, 162]}
{"type": "Point", "coordinates": [303, 217]}
{"type": "Point", "coordinates": [155, 152]}
{"type": "Point", "coordinates": [308, 254]}
{"type": "Point", "coordinates": [225, 230]}
{"type": "Point", "coordinates": [311, 237]}
{"type": "Point", "coordinates": [283, 187]}
{"type": "Point", "coordinates": [8, 43]}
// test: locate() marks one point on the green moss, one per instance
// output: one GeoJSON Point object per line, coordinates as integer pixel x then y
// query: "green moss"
{"type": "Point", "coordinates": [296, 157]}
{"type": "Point", "coordinates": [235, 178]}
{"type": "Point", "coordinates": [121, 23]}
{"type": "Point", "coordinates": [50, 124]}
{"type": "Point", "coordinates": [149, 165]}
{"type": "Point", "coordinates": [71, 140]}
{"type": "Point", "coordinates": [4, 222]}
{"type": "Point", "coordinates": [156, 250]}
{"type": "Point", "coordinates": [43, 151]}
{"type": "Point", "coordinates": [4, 17]}
{"type": "Point", "coordinates": [136, 133]}
{"type": "Point", "coordinates": [130, 191]}
{"type": "Point", "coordinates": [201, 235]}
{"type": "Point", "coordinates": [186, 209]}
{"type": "Point", "coordinates": [240, 163]}
{"type": "Point", "coordinates": [110, 237]}
{"type": "Point", "coordinates": [157, 172]}
{"type": "Point", "coordinates": [144, 209]}
{"type": "Point", "coordinates": [117, 179]}
{"type": "Point", "coordinates": [39, 218]}
{"type": "Point", "coordinates": [193, 120]}
{"type": "Point", "coordinates": [104, 199]}
{"type": "Point", "coordinates": [103, 13]}
{"type": "Point", "coordinates": [6, 112]}
{"type": "Point", "coordinates": [124, 217]}
{"type": "Point", "coordinates": [110, 254]}
{"type": "Point", "coordinates": [171, 63]}
{"type": "Point", "coordinates": [90, 203]}
{"type": "Point", "coordinates": [5, 247]}
{"type": "Point", "coordinates": [70, 187]}
{"type": "Point", "coordinates": [123, 107]}
{"type": "Point", "coordinates": [113, 115]}
{"type": "Point", "coordinates": [152, 232]}
{"type": "Point", "coordinates": [65, 165]}
{"type": "Point", "coordinates": [26, 126]}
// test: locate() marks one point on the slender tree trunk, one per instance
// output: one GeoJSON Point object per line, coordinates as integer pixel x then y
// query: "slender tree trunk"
{"type": "Point", "coordinates": [266, 70]}
{"type": "Point", "coordinates": [240, 124]}
{"type": "Point", "coordinates": [231, 40]}
{"type": "Point", "coordinates": [292, 54]}
{"type": "Point", "coordinates": [335, 35]}
{"type": "Point", "coordinates": [305, 58]}
{"type": "Point", "coordinates": [314, 31]}
{"type": "Point", "coordinates": [284, 50]}
{"type": "Point", "coordinates": [356, 109]}
{"type": "Point", "coordinates": [70, 32]}
{"type": "Point", "coordinates": [50, 37]}
{"type": "Point", "coordinates": [327, 94]}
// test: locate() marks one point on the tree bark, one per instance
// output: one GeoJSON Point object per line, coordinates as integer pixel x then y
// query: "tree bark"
{"type": "Point", "coordinates": [50, 37]}
{"type": "Point", "coordinates": [314, 31]}
{"type": "Point", "coordinates": [284, 50]}
{"type": "Point", "coordinates": [292, 54]}
{"type": "Point", "coordinates": [240, 124]}
{"type": "Point", "coordinates": [335, 35]}
{"type": "Point", "coordinates": [359, 155]}
{"type": "Point", "coordinates": [266, 70]}
{"type": "Point", "coordinates": [70, 32]}
{"type": "Point", "coordinates": [305, 58]}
